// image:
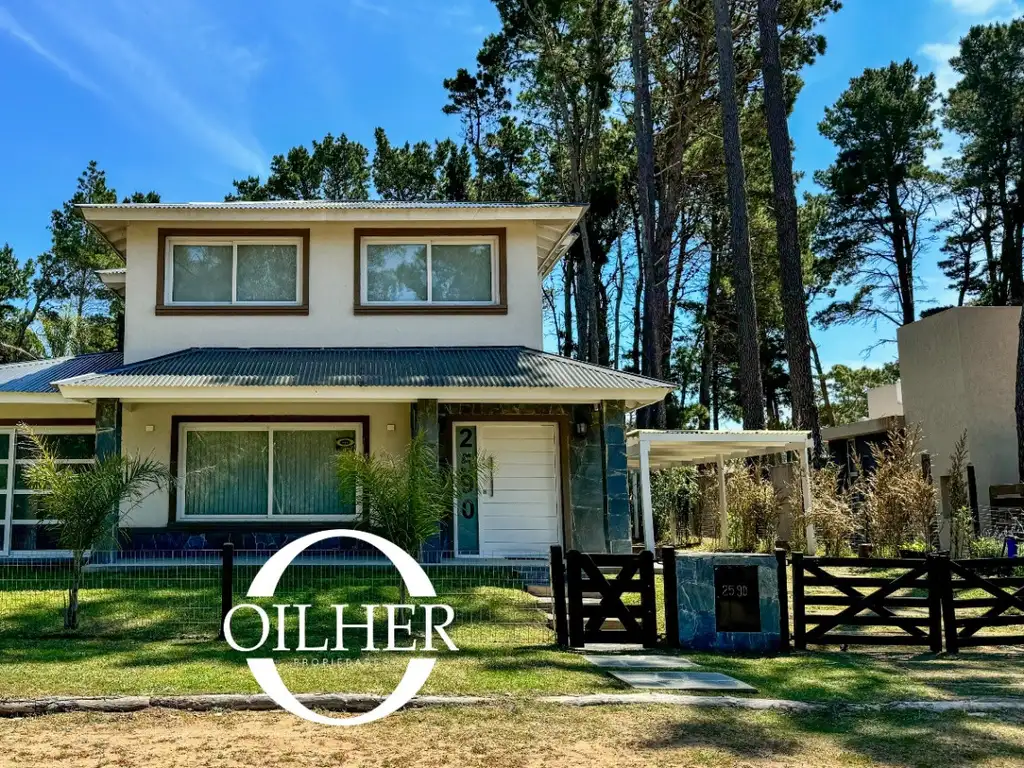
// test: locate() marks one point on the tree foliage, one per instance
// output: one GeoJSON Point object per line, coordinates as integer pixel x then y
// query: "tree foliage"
{"type": "Point", "coordinates": [881, 195]}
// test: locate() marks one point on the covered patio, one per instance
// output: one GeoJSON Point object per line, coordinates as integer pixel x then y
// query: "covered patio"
{"type": "Point", "coordinates": [650, 450]}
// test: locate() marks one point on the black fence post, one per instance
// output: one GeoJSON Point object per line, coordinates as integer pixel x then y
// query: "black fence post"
{"type": "Point", "coordinates": [668, 576]}
{"type": "Point", "coordinates": [972, 499]}
{"type": "Point", "coordinates": [648, 603]}
{"type": "Point", "coordinates": [227, 569]}
{"type": "Point", "coordinates": [949, 609]}
{"type": "Point", "coordinates": [780, 557]}
{"type": "Point", "coordinates": [936, 564]}
{"type": "Point", "coordinates": [574, 601]}
{"type": "Point", "coordinates": [558, 609]}
{"type": "Point", "coordinates": [799, 609]}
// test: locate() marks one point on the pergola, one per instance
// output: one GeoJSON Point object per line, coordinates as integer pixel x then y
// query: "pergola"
{"type": "Point", "coordinates": [651, 449]}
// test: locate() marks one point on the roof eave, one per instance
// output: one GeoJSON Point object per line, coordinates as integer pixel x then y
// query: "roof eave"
{"type": "Point", "coordinates": [27, 398]}
{"type": "Point", "coordinates": [82, 388]}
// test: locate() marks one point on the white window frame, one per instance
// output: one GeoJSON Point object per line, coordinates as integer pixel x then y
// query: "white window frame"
{"type": "Point", "coordinates": [234, 242]}
{"type": "Point", "coordinates": [429, 242]}
{"type": "Point", "coordinates": [270, 427]}
{"type": "Point", "coordinates": [9, 464]}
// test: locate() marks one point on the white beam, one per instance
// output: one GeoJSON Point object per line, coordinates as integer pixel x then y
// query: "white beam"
{"type": "Point", "coordinates": [723, 504]}
{"type": "Point", "coordinates": [805, 481]}
{"type": "Point", "coordinates": [645, 495]}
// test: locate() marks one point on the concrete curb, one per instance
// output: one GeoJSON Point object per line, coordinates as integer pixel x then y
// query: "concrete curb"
{"type": "Point", "coordinates": [337, 702]}
{"type": "Point", "coordinates": [340, 702]}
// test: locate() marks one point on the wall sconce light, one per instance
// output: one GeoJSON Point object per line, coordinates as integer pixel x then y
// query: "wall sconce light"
{"type": "Point", "coordinates": [581, 428]}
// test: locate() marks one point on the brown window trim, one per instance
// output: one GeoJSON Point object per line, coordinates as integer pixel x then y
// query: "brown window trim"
{"type": "Point", "coordinates": [500, 308]}
{"type": "Point", "coordinates": [177, 420]}
{"type": "Point", "coordinates": [163, 308]}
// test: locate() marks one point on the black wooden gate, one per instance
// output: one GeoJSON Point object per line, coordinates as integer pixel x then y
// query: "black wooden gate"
{"type": "Point", "coordinates": [867, 597]}
{"type": "Point", "coordinates": [1000, 598]}
{"type": "Point", "coordinates": [610, 577]}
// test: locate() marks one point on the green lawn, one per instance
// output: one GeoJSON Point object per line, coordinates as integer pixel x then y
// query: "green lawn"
{"type": "Point", "coordinates": [153, 631]}
{"type": "Point", "coordinates": [108, 666]}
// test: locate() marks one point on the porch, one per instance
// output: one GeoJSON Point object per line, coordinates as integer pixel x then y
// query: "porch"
{"type": "Point", "coordinates": [251, 438]}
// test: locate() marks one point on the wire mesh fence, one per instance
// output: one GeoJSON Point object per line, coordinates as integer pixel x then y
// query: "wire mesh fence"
{"type": "Point", "coordinates": [178, 595]}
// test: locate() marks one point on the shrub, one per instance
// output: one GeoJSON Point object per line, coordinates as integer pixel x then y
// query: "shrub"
{"type": "Point", "coordinates": [673, 499]}
{"type": "Point", "coordinates": [833, 512]}
{"type": "Point", "coordinates": [961, 522]}
{"type": "Point", "coordinates": [83, 502]}
{"type": "Point", "coordinates": [899, 502]}
{"type": "Point", "coordinates": [754, 510]}
{"type": "Point", "coordinates": [986, 547]}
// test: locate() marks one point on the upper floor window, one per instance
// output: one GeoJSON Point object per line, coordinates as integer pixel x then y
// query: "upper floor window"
{"type": "Point", "coordinates": [414, 271]}
{"type": "Point", "coordinates": [215, 271]}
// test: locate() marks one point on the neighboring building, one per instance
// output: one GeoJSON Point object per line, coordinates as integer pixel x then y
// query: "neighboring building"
{"type": "Point", "coordinates": [959, 368]}
{"type": "Point", "coordinates": [262, 338]}
{"type": "Point", "coordinates": [849, 445]}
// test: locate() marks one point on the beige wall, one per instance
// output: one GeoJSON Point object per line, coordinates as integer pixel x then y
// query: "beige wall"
{"type": "Point", "coordinates": [58, 410]}
{"type": "Point", "coordinates": [958, 372]}
{"type": "Point", "coordinates": [331, 322]}
{"type": "Point", "coordinates": [157, 444]}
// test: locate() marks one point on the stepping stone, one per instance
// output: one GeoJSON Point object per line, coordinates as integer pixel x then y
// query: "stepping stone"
{"type": "Point", "coordinates": [647, 661]}
{"type": "Point", "coordinates": [683, 681]}
{"type": "Point", "coordinates": [612, 647]}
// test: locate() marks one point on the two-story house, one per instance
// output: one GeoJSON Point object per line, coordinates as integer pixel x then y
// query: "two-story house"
{"type": "Point", "coordinates": [261, 338]}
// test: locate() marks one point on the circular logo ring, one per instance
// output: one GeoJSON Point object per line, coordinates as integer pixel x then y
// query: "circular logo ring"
{"type": "Point", "coordinates": [265, 671]}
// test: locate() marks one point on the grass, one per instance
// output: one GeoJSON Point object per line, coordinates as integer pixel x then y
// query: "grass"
{"type": "Point", "coordinates": [106, 666]}
{"type": "Point", "coordinates": [153, 631]}
{"type": "Point", "coordinates": [482, 737]}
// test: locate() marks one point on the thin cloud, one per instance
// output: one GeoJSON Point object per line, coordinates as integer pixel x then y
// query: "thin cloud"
{"type": "Point", "coordinates": [976, 7]}
{"type": "Point", "coordinates": [940, 54]}
{"type": "Point", "coordinates": [179, 78]}
{"type": "Point", "coordinates": [11, 26]}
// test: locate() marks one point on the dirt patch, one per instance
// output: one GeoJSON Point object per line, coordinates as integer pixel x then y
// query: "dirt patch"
{"type": "Point", "coordinates": [514, 735]}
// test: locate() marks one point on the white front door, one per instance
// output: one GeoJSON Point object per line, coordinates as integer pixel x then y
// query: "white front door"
{"type": "Point", "coordinates": [518, 496]}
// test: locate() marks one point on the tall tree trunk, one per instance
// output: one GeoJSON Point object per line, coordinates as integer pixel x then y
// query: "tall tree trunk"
{"type": "Point", "coordinates": [707, 358]}
{"type": "Point", "coordinates": [620, 290]}
{"type": "Point", "coordinates": [569, 278]}
{"type": "Point", "coordinates": [655, 296]}
{"type": "Point", "coordinates": [794, 297]}
{"type": "Point", "coordinates": [751, 387]}
{"type": "Point", "coordinates": [830, 418]}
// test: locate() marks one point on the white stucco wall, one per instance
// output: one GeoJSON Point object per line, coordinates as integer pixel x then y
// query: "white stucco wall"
{"type": "Point", "coordinates": [157, 444]}
{"type": "Point", "coordinates": [958, 372]}
{"type": "Point", "coordinates": [885, 401]}
{"type": "Point", "coordinates": [331, 321]}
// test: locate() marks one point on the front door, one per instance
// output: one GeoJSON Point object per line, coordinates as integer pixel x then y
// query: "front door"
{"type": "Point", "coordinates": [514, 508]}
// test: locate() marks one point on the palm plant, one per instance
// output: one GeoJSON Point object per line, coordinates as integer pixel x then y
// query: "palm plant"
{"type": "Point", "coordinates": [404, 497]}
{"type": "Point", "coordinates": [83, 501]}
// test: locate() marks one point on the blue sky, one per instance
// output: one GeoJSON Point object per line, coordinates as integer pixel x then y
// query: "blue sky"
{"type": "Point", "coordinates": [181, 96]}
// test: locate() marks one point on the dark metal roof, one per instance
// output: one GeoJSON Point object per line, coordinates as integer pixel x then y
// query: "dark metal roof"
{"type": "Point", "coordinates": [35, 376]}
{"type": "Point", "coordinates": [367, 367]}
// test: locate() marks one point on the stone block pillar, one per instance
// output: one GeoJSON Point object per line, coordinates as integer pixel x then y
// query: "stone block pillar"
{"type": "Point", "coordinates": [586, 470]}
{"type": "Point", "coordinates": [108, 443]}
{"type": "Point", "coordinates": [425, 420]}
{"type": "Point", "coordinates": [108, 428]}
{"type": "Point", "coordinates": [616, 492]}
